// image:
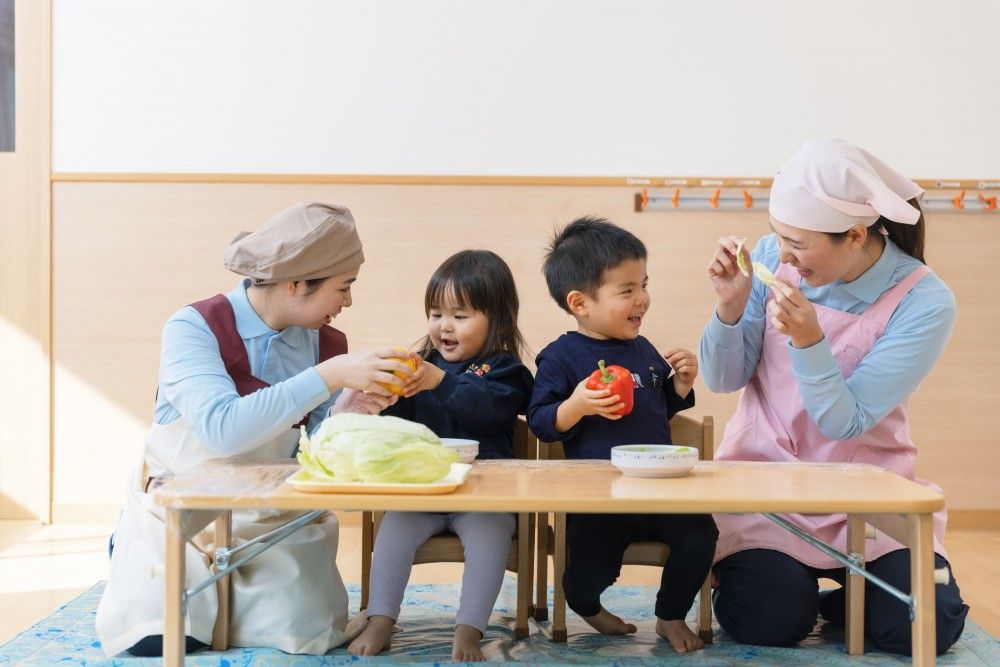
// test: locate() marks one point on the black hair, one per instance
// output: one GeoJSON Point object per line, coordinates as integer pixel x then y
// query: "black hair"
{"type": "Point", "coordinates": [581, 253]}
{"type": "Point", "coordinates": [909, 238]}
{"type": "Point", "coordinates": [312, 284]}
{"type": "Point", "coordinates": [478, 280]}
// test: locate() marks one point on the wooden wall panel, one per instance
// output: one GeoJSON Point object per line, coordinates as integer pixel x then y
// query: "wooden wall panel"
{"type": "Point", "coordinates": [126, 255]}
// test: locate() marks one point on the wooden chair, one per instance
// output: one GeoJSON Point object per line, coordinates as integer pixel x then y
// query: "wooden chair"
{"type": "Point", "coordinates": [552, 539]}
{"type": "Point", "coordinates": [447, 547]}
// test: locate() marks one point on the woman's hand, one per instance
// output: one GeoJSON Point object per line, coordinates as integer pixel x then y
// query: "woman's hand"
{"type": "Point", "coordinates": [427, 376]}
{"type": "Point", "coordinates": [352, 400]}
{"type": "Point", "coordinates": [731, 287]}
{"type": "Point", "coordinates": [685, 365]}
{"type": "Point", "coordinates": [793, 315]}
{"type": "Point", "coordinates": [365, 371]}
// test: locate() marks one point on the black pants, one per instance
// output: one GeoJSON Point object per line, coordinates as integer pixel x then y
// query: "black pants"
{"type": "Point", "coordinates": [768, 598]}
{"type": "Point", "coordinates": [152, 646]}
{"type": "Point", "coordinates": [596, 543]}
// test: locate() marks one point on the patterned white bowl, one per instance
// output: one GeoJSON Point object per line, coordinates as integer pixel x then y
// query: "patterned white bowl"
{"type": "Point", "coordinates": [654, 460]}
{"type": "Point", "coordinates": [467, 450]}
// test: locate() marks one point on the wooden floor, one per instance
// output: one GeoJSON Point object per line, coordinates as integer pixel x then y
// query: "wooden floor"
{"type": "Point", "coordinates": [43, 567]}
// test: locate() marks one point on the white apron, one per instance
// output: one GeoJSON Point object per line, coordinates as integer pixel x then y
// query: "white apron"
{"type": "Point", "coordinates": [290, 597]}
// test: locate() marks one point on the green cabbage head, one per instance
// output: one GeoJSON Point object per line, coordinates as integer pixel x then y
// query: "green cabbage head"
{"type": "Point", "coordinates": [373, 448]}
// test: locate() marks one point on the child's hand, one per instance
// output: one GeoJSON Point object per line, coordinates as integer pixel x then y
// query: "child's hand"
{"type": "Point", "coordinates": [685, 365]}
{"type": "Point", "coordinates": [596, 401]}
{"type": "Point", "coordinates": [352, 400]}
{"type": "Point", "coordinates": [427, 376]}
{"type": "Point", "coordinates": [584, 402]}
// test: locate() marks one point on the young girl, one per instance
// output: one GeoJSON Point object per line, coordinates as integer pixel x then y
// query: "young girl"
{"type": "Point", "coordinates": [239, 372]}
{"type": "Point", "coordinates": [471, 384]}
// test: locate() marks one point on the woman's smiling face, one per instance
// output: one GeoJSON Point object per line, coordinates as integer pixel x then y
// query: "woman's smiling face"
{"type": "Point", "coordinates": [819, 258]}
{"type": "Point", "coordinates": [320, 307]}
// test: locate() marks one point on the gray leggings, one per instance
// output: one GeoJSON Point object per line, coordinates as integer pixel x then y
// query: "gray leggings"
{"type": "Point", "coordinates": [485, 537]}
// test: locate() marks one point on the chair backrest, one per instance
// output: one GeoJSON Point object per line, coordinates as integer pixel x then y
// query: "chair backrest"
{"type": "Point", "coordinates": [694, 432]}
{"type": "Point", "coordinates": [684, 430]}
{"type": "Point", "coordinates": [525, 443]}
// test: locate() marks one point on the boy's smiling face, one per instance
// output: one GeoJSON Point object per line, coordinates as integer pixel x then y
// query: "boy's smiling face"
{"type": "Point", "coordinates": [619, 306]}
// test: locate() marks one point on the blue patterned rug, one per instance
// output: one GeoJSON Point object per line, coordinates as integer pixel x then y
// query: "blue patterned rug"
{"type": "Point", "coordinates": [67, 637]}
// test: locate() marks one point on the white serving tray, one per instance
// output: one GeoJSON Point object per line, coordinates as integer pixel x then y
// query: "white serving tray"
{"type": "Point", "coordinates": [302, 481]}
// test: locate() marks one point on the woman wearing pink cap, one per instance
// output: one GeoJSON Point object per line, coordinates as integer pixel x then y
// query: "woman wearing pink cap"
{"type": "Point", "coordinates": [827, 358]}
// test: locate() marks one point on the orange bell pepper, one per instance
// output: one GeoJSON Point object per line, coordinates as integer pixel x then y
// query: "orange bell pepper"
{"type": "Point", "coordinates": [407, 361]}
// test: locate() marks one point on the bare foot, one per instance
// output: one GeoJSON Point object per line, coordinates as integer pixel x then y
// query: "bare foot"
{"type": "Point", "coordinates": [466, 645]}
{"type": "Point", "coordinates": [375, 638]}
{"type": "Point", "coordinates": [679, 635]}
{"type": "Point", "coordinates": [608, 624]}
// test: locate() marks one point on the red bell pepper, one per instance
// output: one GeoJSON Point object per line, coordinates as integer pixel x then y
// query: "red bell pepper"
{"type": "Point", "coordinates": [618, 380]}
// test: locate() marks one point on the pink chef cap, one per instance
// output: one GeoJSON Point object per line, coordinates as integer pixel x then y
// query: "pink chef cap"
{"type": "Point", "coordinates": [830, 186]}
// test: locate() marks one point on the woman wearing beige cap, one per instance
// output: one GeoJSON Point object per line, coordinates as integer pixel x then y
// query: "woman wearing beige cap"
{"type": "Point", "coordinates": [827, 357]}
{"type": "Point", "coordinates": [239, 373]}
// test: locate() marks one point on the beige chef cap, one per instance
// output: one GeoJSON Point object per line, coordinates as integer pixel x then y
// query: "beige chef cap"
{"type": "Point", "coordinates": [309, 240]}
{"type": "Point", "coordinates": [830, 186]}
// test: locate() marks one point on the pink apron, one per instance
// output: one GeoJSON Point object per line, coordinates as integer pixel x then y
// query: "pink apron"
{"type": "Point", "coordinates": [771, 424]}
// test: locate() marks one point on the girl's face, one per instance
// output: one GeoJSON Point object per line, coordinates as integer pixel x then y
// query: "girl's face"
{"type": "Point", "coordinates": [318, 309]}
{"type": "Point", "coordinates": [819, 258]}
{"type": "Point", "coordinates": [457, 333]}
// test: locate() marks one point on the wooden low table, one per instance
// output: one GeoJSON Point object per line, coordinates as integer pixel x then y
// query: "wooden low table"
{"type": "Point", "coordinates": [867, 494]}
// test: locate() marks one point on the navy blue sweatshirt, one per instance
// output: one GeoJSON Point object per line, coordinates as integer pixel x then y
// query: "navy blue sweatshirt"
{"type": "Point", "coordinates": [478, 399]}
{"type": "Point", "coordinates": [573, 357]}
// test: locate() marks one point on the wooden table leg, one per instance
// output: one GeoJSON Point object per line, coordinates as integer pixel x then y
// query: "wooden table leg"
{"type": "Point", "coordinates": [173, 619]}
{"type": "Point", "coordinates": [855, 613]}
{"type": "Point", "coordinates": [223, 536]}
{"type": "Point", "coordinates": [924, 626]}
{"type": "Point", "coordinates": [705, 611]}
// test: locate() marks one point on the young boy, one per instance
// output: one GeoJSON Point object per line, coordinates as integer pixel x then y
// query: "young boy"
{"type": "Point", "coordinates": [596, 272]}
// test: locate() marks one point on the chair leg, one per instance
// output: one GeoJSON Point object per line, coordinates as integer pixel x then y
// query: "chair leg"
{"type": "Point", "coordinates": [367, 546]}
{"type": "Point", "coordinates": [558, 568]}
{"type": "Point", "coordinates": [541, 569]}
{"type": "Point", "coordinates": [530, 564]}
{"type": "Point", "coordinates": [523, 578]}
{"type": "Point", "coordinates": [705, 610]}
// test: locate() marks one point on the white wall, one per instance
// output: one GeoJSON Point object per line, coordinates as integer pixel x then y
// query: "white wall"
{"type": "Point", "coordinates": [529, 88]}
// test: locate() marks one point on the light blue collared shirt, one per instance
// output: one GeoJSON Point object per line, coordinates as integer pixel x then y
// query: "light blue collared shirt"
{"type": "Point", "coordinates": [914, 338]}
{"type": "Point", "coordinates": [194, 385]}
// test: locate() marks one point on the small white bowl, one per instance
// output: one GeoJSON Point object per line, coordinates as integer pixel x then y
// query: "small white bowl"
{"type": "Point", "coordinates": [467, 450]}
{"type": "Point", "coordinates": [654, 460]}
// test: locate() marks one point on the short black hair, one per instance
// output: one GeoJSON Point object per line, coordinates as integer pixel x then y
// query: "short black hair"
{"type": "Point", "coordinates": [581, 253]}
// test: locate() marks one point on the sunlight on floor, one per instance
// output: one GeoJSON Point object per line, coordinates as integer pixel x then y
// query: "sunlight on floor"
{"type": "Point", "coordinates": [43, 567]}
